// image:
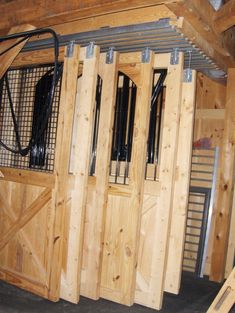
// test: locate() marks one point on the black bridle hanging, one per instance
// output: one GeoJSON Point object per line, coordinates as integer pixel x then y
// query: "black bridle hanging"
{"type": "Point", "coordinates": [49, 81]}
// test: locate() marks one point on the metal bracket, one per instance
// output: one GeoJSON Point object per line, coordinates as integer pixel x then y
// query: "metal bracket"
{"type": "Point", "coordinates": [90, 50]}
{"type": "Point", "coordinates": [109, 55]}
{"type": "Point", "coordinates": [175, 56]}
{"type": "Point", "coordinates": [145, 56]}
{"type": "Point", "coordinates": [188, 75]}
{"type": "Point", "coordinates": [70, 49]}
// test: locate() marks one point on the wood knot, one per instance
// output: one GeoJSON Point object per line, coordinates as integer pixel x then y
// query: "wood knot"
{"type": "Point", "coordinates": [56, 238]}
{"type": "Point", "coordinates": [128, 252]}
{"type": "Point", "coordinates": [116, 278]}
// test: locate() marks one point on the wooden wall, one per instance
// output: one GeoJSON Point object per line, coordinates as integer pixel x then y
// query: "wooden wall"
{"type": "Point", "coordinates": [210, 122]}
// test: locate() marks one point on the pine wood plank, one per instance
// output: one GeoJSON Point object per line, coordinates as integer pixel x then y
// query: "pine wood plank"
{"type": "Point", "coordinates": [36, 57]}
{"type": "Point", "coordinates": [70, 288]}
{"type": "Point", "coordinates": [26, 177]}
{"type": "Point", "coordinates": [124, 214]}
{"type": "Point", "coordinates": [47, 14]}
{"type": "Point", "coordinates": [225, 17]}
{"type": "Point", "coordinates": [7, 58]}
{"type": "Point", "coordinates": [28, 214]}
{"type": "Point", "coordinates": [61, 169]}
{"type": "Point", "coordinates": [231, 242]}
{"type": "Point", "coordinates": [226, 296]}
{"type": "Point", "coordinates": [181, 188]}
{"type": "Point", "coordinates": [162, 212]}
{"type": "Point", "coordinates": [210, 114]}
{"type": "Point", "coordinates": [226, 181]}
{"type": "Point", "coordinates": [95, 212]}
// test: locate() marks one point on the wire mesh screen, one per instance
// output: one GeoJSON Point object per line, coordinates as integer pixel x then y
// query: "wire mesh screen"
{"type": "Point", "coordinates": [28, 88]}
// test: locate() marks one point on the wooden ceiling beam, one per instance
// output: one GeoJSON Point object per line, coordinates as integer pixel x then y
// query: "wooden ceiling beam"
{"type": "Point", "coordinates": [225, 17]}
{"type": "Point", "coordinates": [47, 13]}
{"type": "Point", "coordinates": [199, 28]}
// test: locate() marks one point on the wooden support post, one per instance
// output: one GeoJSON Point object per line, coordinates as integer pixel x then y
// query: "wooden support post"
{"type": "Point", "coordinates": [62, 158]}
{"type": "Point", "coordinates": [226, 297]}
{"type": "Point", "coordinates": [70, 288]}
{"type": "Point", "coordinates": [181, 187]}
{"type": "Point", "coordinates": [95, 211]}
{"type": "Point", "coordinates": [231, 242]}
{"type": "Point", "coordinates": [7, 58]}
{"type": "Point", "coordinates": [226, 181]}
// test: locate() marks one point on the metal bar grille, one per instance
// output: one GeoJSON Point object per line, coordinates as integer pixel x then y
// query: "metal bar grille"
{"type": "Point", "coordinates": [196, 229]}
{"type": "Point", "coordinates": [199, 213]}
{"type": "Point", "coordinates": [28, 88]}
{"type": "Point", "coordinates": [155, 123]}
{"type": "Point", "coordinates": [124, 123]}
{"type": "Point", "coordinates": [123, 130]}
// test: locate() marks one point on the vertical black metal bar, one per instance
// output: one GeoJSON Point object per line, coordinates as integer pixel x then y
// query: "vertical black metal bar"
{"type": "Point", "coordinates": [123, 126]}
{"type": "Point", "coordinates": [96, 126]}
{"type": "Point", "coordinates": [130, 129]}
{"type": "Point", "coordinates": [124, 114]}
{"type": "Point", "coordinates": [118, 133]}
{"type": "Point", "coordinates": [131, 122]}
{"type": "Point", "coordinates": [159, 125]}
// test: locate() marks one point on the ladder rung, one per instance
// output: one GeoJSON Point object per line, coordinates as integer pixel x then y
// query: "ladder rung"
{"type": "Point", "coordinates": [202, 172]}
{"type": "Point", "coordinates": [194, 219]}
{"type": "Point", "coordinates": [189, 250]}
{"type": "Point", "coordinates": [195, 202]}
{"type": "Point", "coordinates": [206, 164]}
{"type": "Point", "coordinates": [203, 156]}
{"type": "Point", "coordinates": [201, 179]}
{"type": "Point", "coordinates": [194, 227]}
{"type": "Point", "coordinates": [192, 243]}
{"type": "Point", "coordinates": [196, 211]}
{"type": "Point", "coordinates": [188, 266]}
{"type": "Point", "coordinates": [193, 235]}
{"type": "Point", "coordinates": [186, 258]}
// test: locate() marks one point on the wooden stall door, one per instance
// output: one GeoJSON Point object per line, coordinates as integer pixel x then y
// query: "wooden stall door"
{"type": "Point", "coordinates": [32, 206]}
{"type": "Point", "coordinates": [158, 195]}
{"type": "Point", "coordinates": [98, 183]}
{"type": "Point", "coordinates": [122, 221]}
{"type": "Point", "coordinates": [27, 217]}
{"type": "Point", "coordinates": [79, 166]}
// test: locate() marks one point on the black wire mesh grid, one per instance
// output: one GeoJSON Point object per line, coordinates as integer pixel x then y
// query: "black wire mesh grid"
{"type": "Point", "coordinates": [23, 82]}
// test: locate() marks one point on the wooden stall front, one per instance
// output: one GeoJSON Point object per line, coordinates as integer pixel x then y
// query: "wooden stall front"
{"type": "Point", "coordinates": [112, 224]}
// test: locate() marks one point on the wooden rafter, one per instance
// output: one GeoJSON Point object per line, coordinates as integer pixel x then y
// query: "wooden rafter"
{"type": "Point", "coordinates": [198, 26]}
{"type": "Point", "coordinates": [225, 17]}
{"type": "Point", "coordinates": [45, 13]}
{"type": "Point", "coordinates": [74, 16]}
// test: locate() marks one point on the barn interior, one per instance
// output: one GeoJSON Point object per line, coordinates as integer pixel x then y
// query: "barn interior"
{"type": "Point", "coordinates": [117, 154]}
